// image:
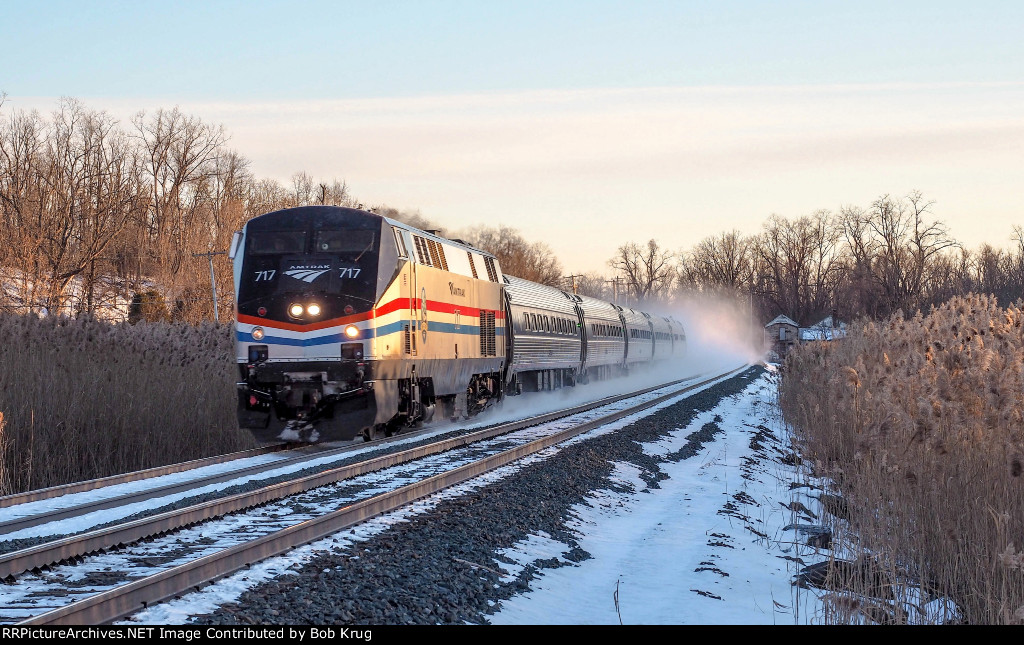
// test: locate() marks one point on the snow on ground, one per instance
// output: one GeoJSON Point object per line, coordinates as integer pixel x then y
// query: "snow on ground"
{"type": "Point", "coordinates": [713, 545]}
{"type": "Point", "coordinates": [671, 555]}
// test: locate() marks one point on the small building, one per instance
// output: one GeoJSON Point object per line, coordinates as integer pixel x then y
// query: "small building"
{"type": "Point", "coordinates": [781, 334]}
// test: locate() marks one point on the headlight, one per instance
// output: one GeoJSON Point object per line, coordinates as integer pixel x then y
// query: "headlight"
{"type": "Point", "coordinates": [352, 331]}
{"type": "Point", "coordinates": [313, 310]}
{"type": "Point", "coordinates": [257, 333]}
{"type": "Point", "coordinates": [295, 310]}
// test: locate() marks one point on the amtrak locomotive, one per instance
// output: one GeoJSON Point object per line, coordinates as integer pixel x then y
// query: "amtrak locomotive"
{"type": "Point", "coordinates": [351, 323]}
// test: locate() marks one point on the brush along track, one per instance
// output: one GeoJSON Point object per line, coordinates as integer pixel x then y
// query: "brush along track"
{"type": "Point", "coordinates": [283, 526]}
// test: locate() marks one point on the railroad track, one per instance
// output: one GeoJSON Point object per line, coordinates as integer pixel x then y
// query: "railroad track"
{"type": "Point", "coordinates": [29, 514]}
{"type": "Point", "coordinates": [135, 476]}
{"type": "Point", "coordinates": [182, 554]}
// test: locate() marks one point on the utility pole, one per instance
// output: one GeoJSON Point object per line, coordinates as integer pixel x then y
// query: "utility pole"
{"type": "Point", "coordinates": [213, 281]}
{"type": "Point", "coordinates": [572, 278]}
{"type": "Point", "coordinates": [750, 318]}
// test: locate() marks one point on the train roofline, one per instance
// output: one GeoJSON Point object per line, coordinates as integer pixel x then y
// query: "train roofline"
{"type": "Point", "coordinates": [326, 210]}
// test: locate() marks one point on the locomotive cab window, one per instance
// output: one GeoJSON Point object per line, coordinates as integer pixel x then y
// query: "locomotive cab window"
{"type": "Point", "coordinates": [275, 242]}
{"type": "Point", "coordinates": [400, 244]}
{"type": "Point", "coordinates": [343, 241]}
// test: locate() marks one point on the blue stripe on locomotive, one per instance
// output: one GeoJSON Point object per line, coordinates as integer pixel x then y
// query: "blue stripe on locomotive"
{"type": "Point", "coordinates": [383, 330]}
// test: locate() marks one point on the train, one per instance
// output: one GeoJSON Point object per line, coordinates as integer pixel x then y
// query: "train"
{"type": "Point", "coordinates": [350, 323]}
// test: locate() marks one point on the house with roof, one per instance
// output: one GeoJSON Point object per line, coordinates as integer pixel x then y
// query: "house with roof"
{"type": "Point", "coordinates": [783, 332]}
{"type": "Point", "coordinates": [829, 328]}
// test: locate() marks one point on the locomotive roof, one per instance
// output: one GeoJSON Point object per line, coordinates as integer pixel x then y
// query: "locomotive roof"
{"type": "Point", "coordinates": [320, 215]}
{"type": "Point", "coordinates": [436, 238]}
{"type": "Point", "coordinates": [328, 215]}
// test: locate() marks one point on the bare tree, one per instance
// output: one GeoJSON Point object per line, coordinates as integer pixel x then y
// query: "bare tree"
{"type": "Point", "coordinates": [1015, 267]}
{"type": "Point", "coordinates": [265, 196]}
{"type": "Point", "coordinates": [67, 190]}
{"type": "Point", "coordinates": [647, 269]}
{"type": "Point", "coordinates": [22, 193]}
{"type": "Point", "coordinates": [801, 264]}
{"type": "Point", "coordinates": [595, 285]}
{"type": "Point", "coordinates": [721, 264]}
{"type": "Point", "coordinates": [179, 154]}
{"type": "Point", "coordinates": [860, 291]}
{"type": "Point", "coordinates": [899, 243]}
{"type": "Point", "coordinates": [530, 261]}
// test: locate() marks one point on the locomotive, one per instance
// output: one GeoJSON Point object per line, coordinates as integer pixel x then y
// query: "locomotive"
{"type": "Point", "coordinates": [350, 323]}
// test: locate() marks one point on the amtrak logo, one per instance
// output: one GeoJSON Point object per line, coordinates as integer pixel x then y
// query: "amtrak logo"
{"type": "Point", "coordinates": [307, 274]}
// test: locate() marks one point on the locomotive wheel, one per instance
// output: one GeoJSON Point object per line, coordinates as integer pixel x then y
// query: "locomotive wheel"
{"type": "Point", "coordinates": [390, 428]}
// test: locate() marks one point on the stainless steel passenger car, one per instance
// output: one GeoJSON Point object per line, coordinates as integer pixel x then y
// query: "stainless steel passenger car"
{"type": "Point", "coordinates": [606, 339]}
{"type": "Point", "coordinates": [669, 338]}
{"type": "Point", "coordinates": [639, 336]}
{"type": "Point", "coordinates": [546, 343]}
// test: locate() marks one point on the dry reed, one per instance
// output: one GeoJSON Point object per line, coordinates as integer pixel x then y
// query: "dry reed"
{"type": "Point", "coordinates": [919, 425]}
{"type": "Point", "coordinates": [81, 399]}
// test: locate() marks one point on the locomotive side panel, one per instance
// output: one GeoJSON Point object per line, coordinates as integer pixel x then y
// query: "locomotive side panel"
{"type": "Point", "coordinates": [453, 327]}
{"type": "Point", "coordinates": [439, 327]}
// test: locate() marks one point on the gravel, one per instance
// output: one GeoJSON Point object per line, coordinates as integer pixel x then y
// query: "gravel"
{"type": "Point", "coordinates": [441, 567]}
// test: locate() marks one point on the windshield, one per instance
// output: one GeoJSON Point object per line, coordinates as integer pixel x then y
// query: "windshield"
{"type": "Point", "coordinates": [277, 242]}
{"type": "Point", "coordinates": [339, 266]}
{"type": "Point", "coordinates": [356, 241]}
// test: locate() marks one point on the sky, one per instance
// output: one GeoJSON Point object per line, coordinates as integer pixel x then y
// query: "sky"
{"type": "Point", "coordinates": [584, 125]}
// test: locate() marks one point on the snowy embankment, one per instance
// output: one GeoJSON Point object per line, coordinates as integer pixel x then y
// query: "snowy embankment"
{"type": "Point", "coordinates": [678, 515]}
{"type": "Point", "coordinates": [714, 541]}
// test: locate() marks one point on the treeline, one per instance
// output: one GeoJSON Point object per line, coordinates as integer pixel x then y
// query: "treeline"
{"type": "Point", "coordinates": [94, 213]}
{"type": "Point", "coordinates": [858, 262]}
{"type": "Point", "coordinates": [894, 255]}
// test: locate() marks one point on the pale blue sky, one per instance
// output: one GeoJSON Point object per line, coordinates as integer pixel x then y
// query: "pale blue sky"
{"type": "Point", "coordinates": [338, 49]}
{"type": "Point", "coordinates": [568, 119]}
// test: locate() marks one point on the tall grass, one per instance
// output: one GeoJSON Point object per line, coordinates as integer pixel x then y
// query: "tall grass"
{"type": "Point", "coordinates": [919, 424]}
{"type": "Point", "coordinates": [82, 398]}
